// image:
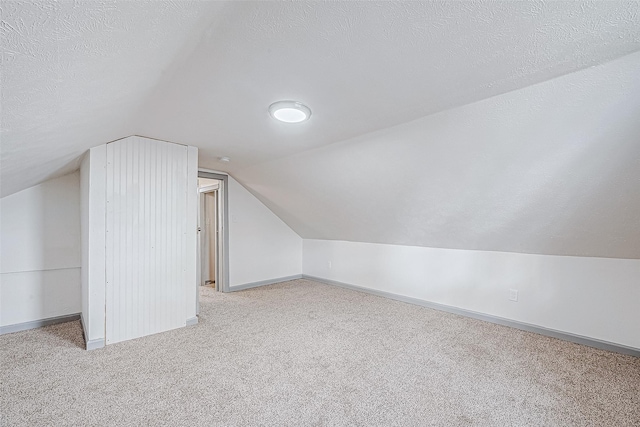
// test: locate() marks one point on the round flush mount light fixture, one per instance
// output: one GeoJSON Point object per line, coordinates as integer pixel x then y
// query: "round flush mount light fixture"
{"type": "Point", "coordinates": [224, 159]}
{"type": "Point", "coordinates": [289, 111]}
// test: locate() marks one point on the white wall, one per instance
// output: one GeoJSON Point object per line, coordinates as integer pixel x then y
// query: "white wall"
{"type": "Point", "coordinates": [150, 237]}
{"type": "Point", "coordinates": [40, 251]}
{"type": "Point", "coordinates": [594, 297]}
{"type": "Point", "coordinates": [92, 207]}
{"type": "Point", "coordinates": [261, 246]}
{"type": "Point", "coordinates": [141, 186]}
{"type": "Point", "coordinates": [191, 255]}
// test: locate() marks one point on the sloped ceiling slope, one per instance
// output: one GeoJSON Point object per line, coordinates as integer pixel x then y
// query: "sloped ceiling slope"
{"type": "Point", "coordinates": [79, 73]}
{"type": "Point", "coordinates": [365, 66]}
{"type": "Point", "coordinates": [550, 169]}
{"type": "Point", "coordinates": [394, 88]}
{"type": "Point", "coordinates": [75, 74]}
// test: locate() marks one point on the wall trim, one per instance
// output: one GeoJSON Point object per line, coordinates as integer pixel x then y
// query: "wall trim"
{"type": "Point", "coordinates": [223, 273]}
{"type": "Point", "coordinates": [90, 344]}
{"type": "Point", "coordinates": [41, 269]}
{"type": "Point", "coordinates": [95, 344]}
{"type": "Point", "coordinates": [9, 329]}
{"type": "Point", "coordinates": [265, 282]}
{"type": "Point", "coordinates": [192, 321]}
{"type": "Point", "coordinates": [84, 329]}
{"type": "Point", "coordinates": [566, 336]}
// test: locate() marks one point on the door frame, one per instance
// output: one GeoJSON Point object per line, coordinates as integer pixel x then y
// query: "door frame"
{"type": "Point", "coordinates": [203, 228]}
{"type": "Point", "coordinates": [223, 233]}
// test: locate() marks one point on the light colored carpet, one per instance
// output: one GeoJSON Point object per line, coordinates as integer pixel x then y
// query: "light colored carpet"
{"type": "Point", "coordinates": [302, 353]}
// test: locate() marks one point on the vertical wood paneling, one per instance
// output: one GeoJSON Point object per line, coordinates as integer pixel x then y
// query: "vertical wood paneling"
{"type": "Point", "coordinates": [146, 237]}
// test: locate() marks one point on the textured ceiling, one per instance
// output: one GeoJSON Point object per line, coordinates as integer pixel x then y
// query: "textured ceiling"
{"type": "Point", "coordinates": [364, 66]}
{"type": "Point", "coordinates": [551, 169]}
{"type": "Point", "coordinates": [78, 74]}
{"type": "Point", "coordinates": [75, 74]}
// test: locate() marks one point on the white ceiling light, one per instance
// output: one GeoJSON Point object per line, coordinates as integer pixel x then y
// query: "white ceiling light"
{"type": "Point", "coordinates": [224, 159]}
{"type": "Point", "coordinates": [289, 111]}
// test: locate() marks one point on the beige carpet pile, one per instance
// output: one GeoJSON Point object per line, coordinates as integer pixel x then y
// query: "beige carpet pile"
{"type": "Point", "coordinates": [302, 353]}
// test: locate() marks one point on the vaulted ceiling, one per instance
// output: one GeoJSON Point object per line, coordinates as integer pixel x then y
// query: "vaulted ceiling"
{"type": "Point", "coordinates": [510, 126]}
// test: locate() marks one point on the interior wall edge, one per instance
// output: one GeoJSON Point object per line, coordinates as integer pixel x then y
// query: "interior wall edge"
{"type": "Point", "coordinates": [261, 245]}
{"type": "Point", "coordinates": [90, 344]}
{"type": "Point", "coordinates": [259, 197]}
{"type": "Point", "coordinates": [461, 249]}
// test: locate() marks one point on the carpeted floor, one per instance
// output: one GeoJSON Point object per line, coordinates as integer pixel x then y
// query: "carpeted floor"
{"type": "Point", "coordinates": [302, 353]}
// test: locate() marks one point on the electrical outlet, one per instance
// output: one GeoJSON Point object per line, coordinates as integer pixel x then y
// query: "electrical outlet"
{"type": "Point", "coordinates": [513, 295]}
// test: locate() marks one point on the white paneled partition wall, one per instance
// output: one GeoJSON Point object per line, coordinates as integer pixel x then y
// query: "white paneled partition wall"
{"type": "Point", "coordinates": [149, 222]}
{"type": "Point", "coordinates": [93, 201]}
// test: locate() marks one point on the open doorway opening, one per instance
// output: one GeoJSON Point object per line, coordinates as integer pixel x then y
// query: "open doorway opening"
{"type": "Point", "coordinates": [213, 236]}
{"type": "Point", "coordinates": [208, 229]}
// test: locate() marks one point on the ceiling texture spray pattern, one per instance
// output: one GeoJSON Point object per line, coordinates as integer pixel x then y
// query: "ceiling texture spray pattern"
{"type": "Point", "coordinates": [365, 66]}
{"type": "Point", "coordinates": [552, 169]}
{"type": "Point", "coordinates": [75, 73]}
{"type": "Point", "coordinates": [483, 121]}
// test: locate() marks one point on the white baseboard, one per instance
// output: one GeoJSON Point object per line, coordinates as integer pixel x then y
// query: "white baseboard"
{"type": "Point", "coordinates": [264, 283]}
{"type": "Point", "coordinates": [95, 344]}
{"type": "Point", "coordinates": [90, 344]}
{"type": "Point", "coordinates": [192, 321]}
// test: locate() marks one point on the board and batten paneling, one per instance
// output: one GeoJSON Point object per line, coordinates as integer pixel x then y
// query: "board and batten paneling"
{"type": "Point", "coordinates": [146, 238]}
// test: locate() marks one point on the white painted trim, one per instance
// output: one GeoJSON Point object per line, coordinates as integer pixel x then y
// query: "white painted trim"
{"type": "Point", "coordinates": [84, 328]}
{"type": "Point", "coordinates": [578, 339]}
{"type": "Point", "coordinates": [264, 282]}
{"type": "Point", "coordinates": [93, 205]}
{"type": "Point", "coordinates": [223, 227]}
{"type": "Point", "coordinates": [95, 344]}
{"type": "Point", "coordinates": [192, 240]}
{"type": "Point", "coordinates": [208, 188]}
{"type": "Point", "coordinates": [192, 321]}
{"type": "Point", "coordinates": [90, 344]}
{"type": "Point", "coordinates": [155, 250]}
{"type": "Point", "coordinates": [212, 171]}
{"type": "Point", "coordinates": [37, 271]}
{"type": "Point", "coordinates": [9, 329]}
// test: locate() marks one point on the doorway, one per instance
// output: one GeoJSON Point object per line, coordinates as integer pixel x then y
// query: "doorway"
{"type": "Point", "coordinates": [213, 237]}
{"type": "Point", "coordinates": [209, 232]}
